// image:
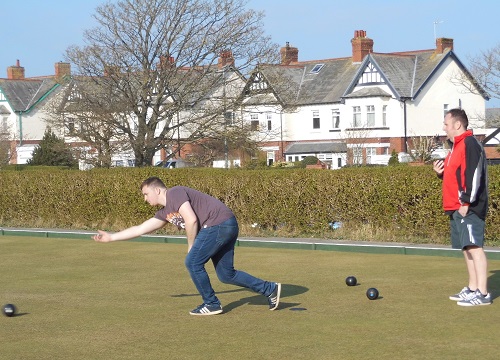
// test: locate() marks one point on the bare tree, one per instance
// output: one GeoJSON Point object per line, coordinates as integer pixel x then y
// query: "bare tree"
{"type": "Point", "coordinates": [356, 137]}
{"type": "Point", "coordinates": [86, 113]}
{"type": "Point", "coordinates": [157, 62]}
{"type": "Point", "coordinates": [6, 144]}
{"type": "Point", "coordinates": [5, 150]}
{"type": "Point", "coordinates": [484, 74]}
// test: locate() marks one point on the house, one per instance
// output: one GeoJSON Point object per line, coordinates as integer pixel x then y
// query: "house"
{"type": "Point", "coordinates": [491, 142]}
{"type": "Point", "coordinates": [23, 108]}
{"type": "Point", "coordinates": [360, 108]}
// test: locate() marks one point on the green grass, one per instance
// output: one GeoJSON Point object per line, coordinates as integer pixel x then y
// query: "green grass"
{"type": "Point", "coordinates": [81, 300]}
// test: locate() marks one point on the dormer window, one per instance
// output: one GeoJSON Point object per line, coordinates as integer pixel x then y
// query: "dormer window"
{"type": "Point", "coordinates": [317, 68]}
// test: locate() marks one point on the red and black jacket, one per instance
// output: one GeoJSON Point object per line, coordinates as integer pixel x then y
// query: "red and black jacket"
{"type": "Point", "coordinates": [465, 177]}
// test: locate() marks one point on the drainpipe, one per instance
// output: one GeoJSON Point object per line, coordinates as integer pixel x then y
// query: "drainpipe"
{"type": "Point", "coordinates": [405, 125]}
{"type": "Point", "coordinates": [281, 135]}
{"type": "Point", "coordinates": [20, 123]}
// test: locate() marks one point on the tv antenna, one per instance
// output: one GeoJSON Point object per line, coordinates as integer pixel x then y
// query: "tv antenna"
{"type": "Point", "coordinates": [436, 22]}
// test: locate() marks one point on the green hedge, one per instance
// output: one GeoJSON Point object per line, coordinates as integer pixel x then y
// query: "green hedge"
{"type": "Point", "coordinates": [399, 203]}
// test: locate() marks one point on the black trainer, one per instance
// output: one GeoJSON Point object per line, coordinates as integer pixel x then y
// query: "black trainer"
{"type": "Point", "coordinates": [274, 298]}
{"type": "Point", "coordinates": [205, 309]}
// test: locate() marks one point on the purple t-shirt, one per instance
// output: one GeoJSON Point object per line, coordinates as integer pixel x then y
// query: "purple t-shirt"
{"type": "Point", "coordinates": [209, 210]}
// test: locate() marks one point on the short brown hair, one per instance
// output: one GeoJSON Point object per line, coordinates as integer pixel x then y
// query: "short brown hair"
{"type": "Point", "coordinates": [459, 115]}
{"type": "Point", "coordinates": [153, 182]}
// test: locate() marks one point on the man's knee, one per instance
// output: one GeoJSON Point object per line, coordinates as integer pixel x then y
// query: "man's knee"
{"type": "Point", "coordinates": [226, 276]}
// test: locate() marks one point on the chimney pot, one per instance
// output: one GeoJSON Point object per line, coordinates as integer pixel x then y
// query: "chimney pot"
{"type": "Point", "coordinates": [62, 69]}
{"type": "Point", "coordinates": [442, 44]}
{"type": "Point", "coordinates": [361, 46]}
{"type": "Point", "coordinates": [225, 58]}
{"type": "Point", "coordinates": [289, 54]}
{"type": "Point", "coordinates": [15, 72]}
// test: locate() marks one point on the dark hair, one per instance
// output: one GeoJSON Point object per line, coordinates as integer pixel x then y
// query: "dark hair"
{"type": "Point", "coordinates": [153, 182]}
{"type": "Point", "coordinates": [459, 115]}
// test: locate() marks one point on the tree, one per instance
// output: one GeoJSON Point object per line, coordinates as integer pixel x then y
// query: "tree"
{"type": "Point", "coordinates": [394, 159]}
{"type": "Point", "coordinates": [156, 70]}
{"type": "Point", "coordinates": [421, 148]}
{"type": "Point", "coordinates": [485, 71]}
{"type": "Point", "coordinates": [5, 146]}
{"type": "Point", "coordinates": [52, 151]}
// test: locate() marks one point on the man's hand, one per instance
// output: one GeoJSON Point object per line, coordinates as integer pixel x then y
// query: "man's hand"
{"type": "Point", "coordinates": [102, 236]}
{"type": "Point", "coordinates": [463, 210]}
{"type": "Point", "coordinates": [439, 167]}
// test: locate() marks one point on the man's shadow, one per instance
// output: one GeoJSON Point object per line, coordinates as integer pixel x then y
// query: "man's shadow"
{"type": "Point", "coordinates": [494, 284]}
{"type": "Point", "coordinates": [287, 290]}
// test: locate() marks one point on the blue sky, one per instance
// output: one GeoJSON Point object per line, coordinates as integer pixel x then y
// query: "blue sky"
{"type": "Point", "coordinates": [38, 32]}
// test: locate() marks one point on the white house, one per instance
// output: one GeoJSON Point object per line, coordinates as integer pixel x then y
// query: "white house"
{"type": "Point", "coordinates": [23, 108]}
{"type": "Point", "coordinates": [359, 108]}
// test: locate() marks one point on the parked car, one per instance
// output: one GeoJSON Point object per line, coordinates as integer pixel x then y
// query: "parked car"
{"type": "Point", "coordinates": [174, 164]}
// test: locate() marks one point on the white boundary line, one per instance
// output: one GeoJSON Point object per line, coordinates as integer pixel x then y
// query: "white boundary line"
{"type": "Point", "coordinates": [311, 243]}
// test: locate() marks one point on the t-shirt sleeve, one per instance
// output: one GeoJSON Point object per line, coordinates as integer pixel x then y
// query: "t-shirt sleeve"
{"type": "Point", "coordinates": [176, 196]}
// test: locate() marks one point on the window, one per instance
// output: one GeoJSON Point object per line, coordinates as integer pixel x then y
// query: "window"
{"type": "Point", "coordinates": [4, 127]}
{"type": "Point", "coordinates": [258, 83]}
{"type": "Point", "coordinates": [70, 125]}
{"type": "Point", "coordinates": [445, 108]}
{"type": "Point", "coordinates": [269, 118]}
{"type": "Point", "coordinates": [229, 117]}
{"type": "Point", "coordinates": [356, 116]}
{"type": "Point", "coordinates": [317, 68]}
{"type": "Point", "coordinates": [254, 122]}
{"type": "Point", "coordinates": [369, 153]}
{"type": "Point", "coordinates": [370, 115]}
{"type": "Point", "coordinates": [335, 118]}
{"type": "Point", "coordinates": [384, 115]}
{"type": "Point", "coordinates": [316, 124]}
{"type": "Point", "coordinates": [357, 156]}
{"type": "Point", "coordinates": [370, 76]}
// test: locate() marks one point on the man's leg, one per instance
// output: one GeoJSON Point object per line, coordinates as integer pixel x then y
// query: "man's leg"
{"type": "Point", "coordinates": [223, 262]}
{"type": "Point", "coordinates": [477, 265]}
{"type": "Point", "coordinates": [471, 270]}
{"type": "Point", "coordinates": [203, 248]}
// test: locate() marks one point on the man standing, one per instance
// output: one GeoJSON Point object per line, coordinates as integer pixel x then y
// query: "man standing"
{"type": "Point", "coordinates": [465, 200]}
{"type": "Point", "coordinates": [211, 230]}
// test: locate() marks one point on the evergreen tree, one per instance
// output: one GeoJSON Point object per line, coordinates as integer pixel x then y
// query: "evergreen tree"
{"type": "Point", "coordinates": [394, 160]}
{"type": "Point", "coordinates": [52, 151]}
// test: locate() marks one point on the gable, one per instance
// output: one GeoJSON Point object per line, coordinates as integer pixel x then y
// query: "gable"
{"type": "Point", "coordinates": [371, 80]}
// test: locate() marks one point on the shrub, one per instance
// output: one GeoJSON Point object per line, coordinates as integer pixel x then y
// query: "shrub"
{"type": "Point", "coordinates": [378, 203]}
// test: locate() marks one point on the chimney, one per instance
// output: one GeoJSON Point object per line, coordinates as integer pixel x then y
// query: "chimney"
{"type": "Point", "coordinates": [111, 70]}
{"type": "Point", "coordinates": [62, 69]}
{"type": "Point", "coordinates": [15, 72]}
{"type": "Point", "coordinates": [166, 62]}
{"type": "Point", "coordinates": [361, 46]}
{"type": "Point", "coordinates": [442, 44]}
{"type": "Point", "coordinates": [289, 54]}
{"type": "Point", "coordinates": [225, 58]}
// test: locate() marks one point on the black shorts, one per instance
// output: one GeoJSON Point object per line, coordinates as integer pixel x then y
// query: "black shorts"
{"type": "Point", "coordinates": [466, 231]}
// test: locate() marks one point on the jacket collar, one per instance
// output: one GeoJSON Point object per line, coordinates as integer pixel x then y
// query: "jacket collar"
{"type": "Point", "coordinates": [462, 136]}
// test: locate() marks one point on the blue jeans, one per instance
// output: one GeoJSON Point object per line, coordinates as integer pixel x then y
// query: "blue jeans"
{"type": "Point", "coordinates": [217, 243]}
